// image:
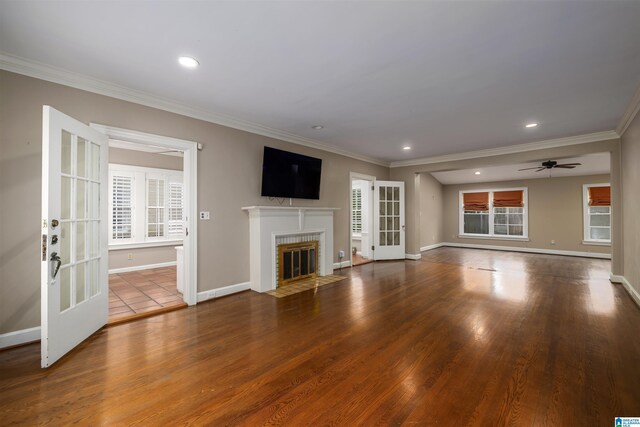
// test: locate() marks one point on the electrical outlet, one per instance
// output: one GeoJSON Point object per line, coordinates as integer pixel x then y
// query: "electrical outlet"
{"type": "Point", "coordinates": [553, 242]}
{"type": "Point", "coordinates": [130, 256]}
{"type": "Point", "coordinates": [341, 254]}
{"type": "Point", "coordinates": [204, 215]}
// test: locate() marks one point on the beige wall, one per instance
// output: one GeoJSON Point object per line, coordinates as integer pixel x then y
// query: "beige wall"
{"type": "Point", "coordinates": [229, 175]}
{"type": "Point", "coordinates": [148, 160]}
{"type": "Point", "coordinates": [119, 258]}
{"type": "Point", "coordinates": [555, 213]}
{"type": "Point", "coordinates": [142, 256]}
{"type": "Point", "coordinates": [431, 207]}
{"type": "Point", "coordinates": [631, 202]}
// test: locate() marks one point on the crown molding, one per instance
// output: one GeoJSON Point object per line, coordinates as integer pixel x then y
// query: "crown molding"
{"type": "Point", "coordinates": [629, 113]}
{"type": "Point", "coordinates": [512, 149]}
{"type": "Point", "coordinates": [46, 72]}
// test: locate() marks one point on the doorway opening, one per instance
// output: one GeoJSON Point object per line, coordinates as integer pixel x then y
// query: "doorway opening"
{"type": "Point", "coordinates": [361, 218]}
{"type": "Point", "coordinates": [151, 198]}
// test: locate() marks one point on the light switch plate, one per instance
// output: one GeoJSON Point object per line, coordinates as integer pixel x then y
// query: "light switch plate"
{"type": "Point", "coordinates": [204, 215]}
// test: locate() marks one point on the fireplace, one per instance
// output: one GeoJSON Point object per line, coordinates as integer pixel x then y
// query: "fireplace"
{"type": "Point", "coordinates": [273, 226]}
{"type": "Point", "coordinates": [297, 261]}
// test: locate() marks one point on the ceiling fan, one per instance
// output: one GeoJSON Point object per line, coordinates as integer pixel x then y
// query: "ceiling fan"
{"type": "Point", "coordinates": [550, 164]}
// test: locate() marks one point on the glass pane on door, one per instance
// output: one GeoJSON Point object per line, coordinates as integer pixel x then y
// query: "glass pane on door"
{"type": "Point", "coordinates": [79, 234]}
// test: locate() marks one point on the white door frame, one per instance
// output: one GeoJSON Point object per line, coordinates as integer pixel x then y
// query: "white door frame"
{"type": "Point", "coordinates": [190, 171]}
{"type": "Point", "coordinates": [355, 176]}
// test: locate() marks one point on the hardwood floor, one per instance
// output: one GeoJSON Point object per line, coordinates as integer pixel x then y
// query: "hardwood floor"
{"type": "Point", "coordinates": [542, 340]}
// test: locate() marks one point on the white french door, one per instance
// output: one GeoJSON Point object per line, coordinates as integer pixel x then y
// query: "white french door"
{"type": "Point", "coordinates": [388, 220]}
{"type": "Point", "coordinates": [74, 279]}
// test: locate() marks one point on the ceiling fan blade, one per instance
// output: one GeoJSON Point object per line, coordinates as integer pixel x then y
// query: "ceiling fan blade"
{"type": "Point", "coordinates": [565, 167]}
{"type": "Point", "coordinates": [528, 169]}
{"type": "Point", "coordinates": [569, 164]}
{"type": "Point", "coordinates": [541, 168]}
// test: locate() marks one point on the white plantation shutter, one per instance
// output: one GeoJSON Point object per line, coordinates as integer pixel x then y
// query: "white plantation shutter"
{"type": "Point", "coordinates": [145, 205]}
{"type": "Point", "coordinates": [155, 207]}
{"type": "Point", "coordinates": [122, 207]}
{"type": "Point", "coordinates": [175, 208]}
{"type": "Point", "coordinates": [356, 225]}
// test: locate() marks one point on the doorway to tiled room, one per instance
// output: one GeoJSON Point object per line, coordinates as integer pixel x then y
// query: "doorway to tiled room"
{"type": "Point", "coordinates": [146, 230]}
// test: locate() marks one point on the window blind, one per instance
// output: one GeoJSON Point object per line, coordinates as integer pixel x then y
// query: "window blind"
{"type": "Point", "coordinates": [508, 199]}
{"type": "Point", "coordinates": [476, 201]}
{"type": "Point", "coordinates": [122, 196]}
{"type": "Point", "coordinates": [155, 207]}
{"type": "Point", "coordinates": [599, 196]}
{"type": "Point", "coordinates": [175, 209]}
{"type": "Point", "coordinates": [356, 226]}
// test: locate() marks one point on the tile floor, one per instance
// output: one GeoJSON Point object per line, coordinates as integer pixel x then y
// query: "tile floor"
{"type": "Point", "coordinates": [142, 292]}
{"type": "Point", "coordinates": [358, 260]}
{"type": "Point", "coordinates": [304, 285]}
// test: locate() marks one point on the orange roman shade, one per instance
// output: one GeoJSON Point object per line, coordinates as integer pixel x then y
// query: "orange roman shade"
{"type": "Point", "coordinates": [599, 196]}
{"type": "Point", "coordinates": [508, 199]}
{"type": "Point", "coordinates": [475, 201]}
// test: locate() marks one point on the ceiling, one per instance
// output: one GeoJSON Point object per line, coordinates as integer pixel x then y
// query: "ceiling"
{"type": "Point", "coordinates": [592, 164]}
{"type": "Point", "coordinates": [442, 77]}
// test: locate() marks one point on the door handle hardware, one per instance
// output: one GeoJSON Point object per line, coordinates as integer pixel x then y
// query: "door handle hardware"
{"type": "Point", "coordinates": [55, 258]}
{"type": "Point", "coordinates": [54, 223]}
{"type": "Point", "coordinates": [54, 239]}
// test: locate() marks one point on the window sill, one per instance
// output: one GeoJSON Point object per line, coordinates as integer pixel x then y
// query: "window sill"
{"type": "Point", "coordinates": [138, 245]}
{"type": "Point", "coordinates": [595, 243]}
{"type": "Point", "coordinates": [483, 237]}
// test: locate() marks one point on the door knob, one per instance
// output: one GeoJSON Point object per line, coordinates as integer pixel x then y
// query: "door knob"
{"type": "Point", "coordinates": [55, 258]}
{"type": "Point", "coordinates": [54, 223]}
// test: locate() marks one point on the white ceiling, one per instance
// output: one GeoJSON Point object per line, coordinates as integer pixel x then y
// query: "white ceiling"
{"type": "Point", "coordinates": [592, 164]}
{"type": "Point", "coordinates": [444, 77]}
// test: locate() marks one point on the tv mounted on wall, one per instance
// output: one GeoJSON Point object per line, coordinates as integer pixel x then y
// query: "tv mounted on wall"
{"type": "Point", "coordinates": [290, 175]}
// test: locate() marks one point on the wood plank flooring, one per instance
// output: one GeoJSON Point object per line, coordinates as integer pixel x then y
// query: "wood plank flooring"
{"type": "Point", "coordinates": [461, 337]}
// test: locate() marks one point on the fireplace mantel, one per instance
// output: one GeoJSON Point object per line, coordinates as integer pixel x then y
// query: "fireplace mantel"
{"type": "Point", "coordinates": [267, 223]}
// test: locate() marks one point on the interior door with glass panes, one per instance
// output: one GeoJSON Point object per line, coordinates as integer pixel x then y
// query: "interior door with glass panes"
{"type": "Point", "coordinates": [388, 220]}
{"type": "Point", "coordinates": [74, 284]}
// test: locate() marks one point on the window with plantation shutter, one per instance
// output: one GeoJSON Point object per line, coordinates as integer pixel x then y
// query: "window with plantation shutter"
{"type": "Point", "coordinates": [155, 207]}
{"type": "Point", "coordinates": [122, 207]}
{"type": "Point", "coordinates": [175, 208]}
{"type": "Point", "coordinates": [356, 224]}
{"type": "Point", "coordinates": [145, 205]}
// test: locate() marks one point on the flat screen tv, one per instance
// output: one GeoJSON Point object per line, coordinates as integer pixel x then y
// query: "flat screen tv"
{"type": "Point", "coordinates": [290, 175]}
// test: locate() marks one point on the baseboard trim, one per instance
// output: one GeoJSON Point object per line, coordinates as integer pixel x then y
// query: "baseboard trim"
{"type": "Point", "coordinates": [24, 336]}
{"type": "Point", "coordinates": [414, 257]}
{"type": "Point", "coordinates": [220, 292]}
{"type": "Point", "coordinates": [142, 267]}
{"type": "Point", "coordinates": [635, 296]}
{"type": "Point", "coordinates": [529, 250]}
{"type": "Point", "coordinates": [429, 247]}
{"type": "Point", "coordinates": [342, 264]}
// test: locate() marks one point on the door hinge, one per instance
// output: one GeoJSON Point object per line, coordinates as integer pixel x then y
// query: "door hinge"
{"type": "Point", "coordinates": [44, 247]}
{"type": "Point", "coordinates": [373, 188]}
{"type": "Point", "coordinates": [373, 248]}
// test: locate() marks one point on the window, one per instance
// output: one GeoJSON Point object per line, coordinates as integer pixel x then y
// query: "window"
{"type": "Point", "coordinates": [356, 197]}
{"type": "Point", "coordinates": [145, 205]}
{"type": "Point", "coordinates": [494, 213]}
{"type": "Point", "coordinates": [597, 213]}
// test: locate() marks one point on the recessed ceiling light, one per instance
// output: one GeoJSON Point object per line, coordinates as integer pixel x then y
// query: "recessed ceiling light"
{"type": "Point", "coordinates": [477, 172]}
{"type": "Point", "coordinates": [406, 148]}
{"type": "Point", "coordinates": [531, 125]}
{"type": "Point", "coordinates": [317, 127]}
{"type": "Point", "coordinates": [187, 61]}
